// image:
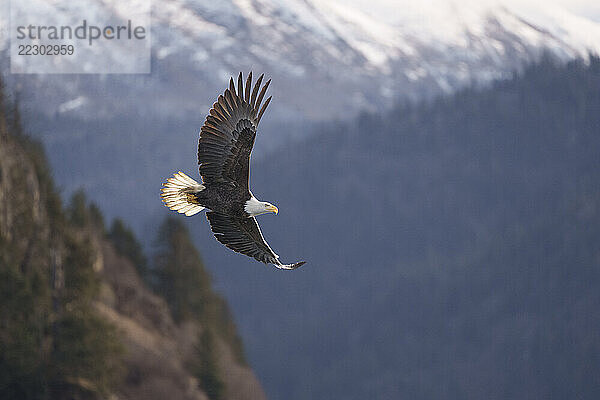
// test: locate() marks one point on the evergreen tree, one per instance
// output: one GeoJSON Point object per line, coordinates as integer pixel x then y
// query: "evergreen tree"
{"type": "Point", "coordinates": [78, 211]}
{"type": "Point", "coordinates": [83, 214]}
{"type": "Point", "coordinates": [127, 245]}
{"type": "Point", "coordinates": [24, 314]}
{"type": "Point", "coordinates": [85, 351]}
{"type": "Point", "coordinates": [53, 344]}
{"type": "Point", "coordinates": [181, 277]}
{"type": "Point", "coordinates": [204, 366]}
{"type": "Point", "coordinates": [3, 127]}
{"type": "Point", "coordinates": [186, 285]}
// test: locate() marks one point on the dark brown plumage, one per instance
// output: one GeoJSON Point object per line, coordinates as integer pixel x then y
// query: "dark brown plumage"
{"type": "Point", "coordinates": [226, 141]}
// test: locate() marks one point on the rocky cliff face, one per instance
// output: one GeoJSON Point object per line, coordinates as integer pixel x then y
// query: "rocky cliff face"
{"type": "Point", "coordinates": [157, 347]}
{"type": "Point", "coordinates": [39, 244]}
{"type": "Point", "coordinates": [19, 197]}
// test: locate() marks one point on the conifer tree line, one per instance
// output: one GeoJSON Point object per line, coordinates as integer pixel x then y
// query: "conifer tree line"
{"type": "Point", "coordinates": [473, 267]}
{"type": "Point", "coordinates": [53, 342]}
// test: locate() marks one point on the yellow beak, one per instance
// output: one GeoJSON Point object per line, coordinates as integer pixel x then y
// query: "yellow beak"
{"type": "Point", "coordinates": [273, 209]}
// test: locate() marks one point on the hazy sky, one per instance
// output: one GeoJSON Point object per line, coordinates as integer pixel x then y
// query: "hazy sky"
{"type": "Point", "coordinates": [585, 8]}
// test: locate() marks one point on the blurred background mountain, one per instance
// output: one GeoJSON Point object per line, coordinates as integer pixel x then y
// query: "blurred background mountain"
{"type": "Point", "coordinates": [82, 316]}
{"type": "Point", "coordinates": [437, 164]}
{"type": "Point", "coordinates": [330, 58]}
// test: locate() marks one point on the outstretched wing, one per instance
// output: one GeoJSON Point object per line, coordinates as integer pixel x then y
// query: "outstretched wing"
{"type": "Point", "coordinates": [227, 136]}
{"type": "Point", "coordinates": [244, 236]}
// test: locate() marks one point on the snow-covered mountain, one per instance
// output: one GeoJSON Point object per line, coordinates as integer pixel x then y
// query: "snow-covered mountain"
{"type": "Point", "coordinates": [327, 57]}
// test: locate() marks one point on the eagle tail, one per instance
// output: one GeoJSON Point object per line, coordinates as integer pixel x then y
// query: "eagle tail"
{"type": "Point", "coordinates": [178, 193]}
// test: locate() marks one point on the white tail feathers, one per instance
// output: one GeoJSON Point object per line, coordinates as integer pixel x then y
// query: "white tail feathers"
{"type": "Point", "coordinates": [178, 194]}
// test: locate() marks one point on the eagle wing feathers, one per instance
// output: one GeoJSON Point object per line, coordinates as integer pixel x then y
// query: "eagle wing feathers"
{"type": "Point", "coordinates": [243, 235]}
{"type": "Point", "coordinates": [228, 133]}
{"type": "Point", "coordinates": [224, 147]}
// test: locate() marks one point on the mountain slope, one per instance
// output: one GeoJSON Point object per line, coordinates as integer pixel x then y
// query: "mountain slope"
{"type": "Point", "coordinates": [334, 56]}
{"type": "Point", "coordinates": [452, 249]}
{"type": "Point", "coordinates": [327, 62]}
{"type": "Point", "coordinates": [77, 320]}
{"type": "Point", "coordinates": [156, 360]}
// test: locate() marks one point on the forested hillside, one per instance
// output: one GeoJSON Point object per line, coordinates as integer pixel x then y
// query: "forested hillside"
{"type": "Point", "coordinates": [452, 252]}
{"type": "Point", "coordinates": [84, 314]}
{"type": "Point", "coordinates": [453, 249]}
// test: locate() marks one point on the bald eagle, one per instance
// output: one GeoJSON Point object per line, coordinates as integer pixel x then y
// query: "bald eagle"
{"type": "Point", "coordinates": [226, 140]}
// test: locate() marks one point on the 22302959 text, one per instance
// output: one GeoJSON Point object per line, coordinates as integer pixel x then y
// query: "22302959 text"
{"type": "Point", "coordinates": [46, 50]}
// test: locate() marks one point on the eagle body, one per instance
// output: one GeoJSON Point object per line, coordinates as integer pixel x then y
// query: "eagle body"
{"type": "Point", "coordinates": [224, 147]}
{"type": "Point", "coordinates": [224, 198]}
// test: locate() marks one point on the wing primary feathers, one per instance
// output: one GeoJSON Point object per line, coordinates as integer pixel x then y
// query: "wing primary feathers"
{"type": "Point", "coordinates": [224, 115]}
{"type": "Point", "coordinates": [226, 140]}
{"type": "Point", "coordinates": [231, 85]}
{"type": "Point", "coordinates": [222, 155]}
{"type": "Point", "coordinates": [213, 131]}
{"type": "Point", "coordinates": [215, 113]}
{"type": "Point", "coordinates": [244, 236]}
{"type": "Point", "coordinates": [240, 91]}
{"type": "Point", "coordinates": [290, 266]}
{"type": "Point", "coordinates": [248, 86]}
{"type": "Point", "coordinates": [225, 105]}
{"type": "Point", "coordinates": [231, 103]}
{"type": "Point", "coordinates": [219, 108]}
{"type": "Point", "coordinates": [262, 110]}
{"type": "Point", "coordinates": [255, 91]}
{"type": "Point", "coordinates": [232, 93]}
{"type": "Point", "coordinates": [261, 95]}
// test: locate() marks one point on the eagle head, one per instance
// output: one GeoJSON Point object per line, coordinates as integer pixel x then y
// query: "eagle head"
{"type": "Point", "coordinates": [254, 207]}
